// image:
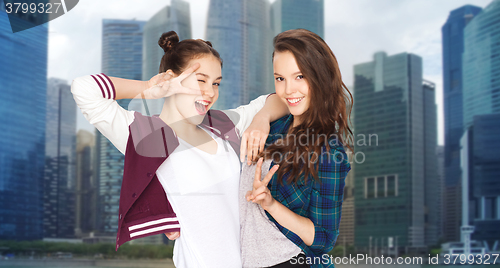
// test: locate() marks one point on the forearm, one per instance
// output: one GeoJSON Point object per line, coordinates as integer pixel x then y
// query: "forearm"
{"type": "Point", "coordinates": [127, 88]}
{"type": "Point", "coordinates": [273, 109]}
{"type": "Point", "coordinates": [301, 226]}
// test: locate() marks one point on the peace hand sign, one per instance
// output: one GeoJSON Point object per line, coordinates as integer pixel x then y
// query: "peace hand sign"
{"type": "Point", "coordinates": [164, 85]}
{"type": "Point", "coordinates": [260, 193]}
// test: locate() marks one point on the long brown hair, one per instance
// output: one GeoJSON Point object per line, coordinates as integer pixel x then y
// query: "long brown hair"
{"type": "Point", "coordinates": [329, 107]}
{"type": "Point", "coordinates": [178, 54]}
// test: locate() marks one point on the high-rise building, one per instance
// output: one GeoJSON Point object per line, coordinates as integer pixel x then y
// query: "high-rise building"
{"type": "Point", "coordinates": [432, 194]}
{"type": "Point", "coordinates": [293, 14]}
{"type": "Point", "coordinates": [481, 121]}
{"type": "Point", "coordinates": [391, 132]}
{"type": "Point", "coordinates": [173, 17]}
{"type": "Point", "coordinates": [480, 171]}
{"type": "Point", "coordinates": [481, 64]}
{"type": "Point", "coordinates": [23, 81]}
{"type": "Point", "coordinates": [60, 169]}
{"type": "Point", "coordinates": [243, 37]}
{"type": "Point", "coordinates": [121, 57]}
{"type": "Point", "coordinates": [86, 184]}
{"type": "Point", "coordinates": [440, 184]}
{"type": "Point", "coordinates": [453, 47]}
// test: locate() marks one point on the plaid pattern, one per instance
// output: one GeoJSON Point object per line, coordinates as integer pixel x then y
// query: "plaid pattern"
{"type": "Point", "coordinates": [321, 202]}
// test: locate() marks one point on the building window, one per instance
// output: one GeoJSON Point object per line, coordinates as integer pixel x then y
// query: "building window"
{"type": "Point", "coordinates": [381, 186]}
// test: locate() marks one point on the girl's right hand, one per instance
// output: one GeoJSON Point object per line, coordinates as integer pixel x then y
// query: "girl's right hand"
{"type": "Point", "coordinates": [173, 235]}
{"type": "Point", "coordinates": [165, 85]}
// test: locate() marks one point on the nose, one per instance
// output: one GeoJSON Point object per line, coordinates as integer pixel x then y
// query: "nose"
{"type": "Point", "coordinates": [207, 90]}
{"type": "Point", "coordinates": [290, 87]}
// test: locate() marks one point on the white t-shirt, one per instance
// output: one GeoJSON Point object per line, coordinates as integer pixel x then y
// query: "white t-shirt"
{"type": "Point", "coordinates": [203, 191]}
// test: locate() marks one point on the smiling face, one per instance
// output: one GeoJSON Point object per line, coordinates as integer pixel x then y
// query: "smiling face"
{"type": "Point", "coordinates": [207, 78]}
{"type": "Point", "coordinates": [291, 86]}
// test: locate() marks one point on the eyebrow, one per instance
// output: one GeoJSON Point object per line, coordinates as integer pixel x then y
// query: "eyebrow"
{"type": "Point", "coordinates": [207, 76]}
{"type": "Point", "coordinates": [292, 74]}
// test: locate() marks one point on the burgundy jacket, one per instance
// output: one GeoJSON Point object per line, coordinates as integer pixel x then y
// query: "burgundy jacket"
{"type": "Point", "coordinates": [144, 208]}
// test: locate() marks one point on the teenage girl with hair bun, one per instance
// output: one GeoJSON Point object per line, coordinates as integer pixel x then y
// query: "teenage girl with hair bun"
{"type": "Point", "coordinates": [181, 167]}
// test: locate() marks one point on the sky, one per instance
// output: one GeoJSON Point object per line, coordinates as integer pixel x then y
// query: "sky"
{"type": "Point", "coordinates": [354, 30]}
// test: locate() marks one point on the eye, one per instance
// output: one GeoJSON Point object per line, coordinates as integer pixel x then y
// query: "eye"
{"type": "Point", "coordinates": [202, 81]}
{"type": "Point", "coordinates": [279, 79]}
{"type": "Point", "coordinates": [300, 76]}
{"type": "Point", "coordinates": [216, 84]}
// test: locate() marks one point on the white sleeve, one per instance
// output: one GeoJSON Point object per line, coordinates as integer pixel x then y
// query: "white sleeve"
{"type": "Point", "coordinates": [94, 95]}
{"type": "Point", "coordinates": [242, 116]}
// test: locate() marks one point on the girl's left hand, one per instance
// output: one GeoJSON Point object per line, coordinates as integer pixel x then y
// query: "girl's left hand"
{"type": "Point", "coordinates": [260, 193]}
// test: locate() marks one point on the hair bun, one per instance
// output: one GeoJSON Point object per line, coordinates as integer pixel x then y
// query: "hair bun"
{"type": "Point", "coordinates": [168, 40]}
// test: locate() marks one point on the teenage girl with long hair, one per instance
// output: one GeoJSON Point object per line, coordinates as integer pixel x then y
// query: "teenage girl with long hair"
{"type": "Point", "coordinates": [291, 218]}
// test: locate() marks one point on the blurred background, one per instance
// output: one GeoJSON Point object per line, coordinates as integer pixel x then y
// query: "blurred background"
{"type": "Point", "coordinates": [425, 76]}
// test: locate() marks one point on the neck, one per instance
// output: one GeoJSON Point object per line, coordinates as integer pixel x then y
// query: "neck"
{"type": "Point", "coordinates": [172, 117]}
{"type": "Point", "coordinates": [296, 120]}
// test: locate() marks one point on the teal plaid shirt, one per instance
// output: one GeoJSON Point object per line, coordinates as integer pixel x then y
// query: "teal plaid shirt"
{"type": "Point", "coordinates": [321, 202]}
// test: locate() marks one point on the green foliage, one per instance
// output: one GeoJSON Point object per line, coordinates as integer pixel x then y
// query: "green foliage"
{"type": "Point", "coordinates": [107, 250]}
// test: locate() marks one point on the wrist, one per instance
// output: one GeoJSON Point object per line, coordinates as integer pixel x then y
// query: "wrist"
{"type": "Point", "coordinates": [272, 207]}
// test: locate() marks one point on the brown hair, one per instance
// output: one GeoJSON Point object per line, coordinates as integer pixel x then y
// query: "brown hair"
{"type": "Point", "coordinates": [329, 107]}
{"type": "Point", "coordinates": [178, 54]}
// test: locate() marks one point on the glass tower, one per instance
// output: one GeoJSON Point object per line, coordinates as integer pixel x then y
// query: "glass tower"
{"type": "Point", "coordinates": [23, 81]}
{"type": "Point", "coordinates": [453, 47]}
{"type": "Point", "coordinates": [481, 169]}
{"type": "Point", "coordinates": [121, 57]}
{"type": "Point", "coordinates": [293, 14]}
{"type": "Point", "coordinates": [391, 132]}
{"type": "Point", "coordinates": [243, 37]}
{"type": "Point", "coordinates": [174, 17]}
{"type": "Point", "coordinates": [60, 169]}
{"type": "Point", "coordinates": [481, 109]}
{"type": "Point", "coordinates": [481, 64]}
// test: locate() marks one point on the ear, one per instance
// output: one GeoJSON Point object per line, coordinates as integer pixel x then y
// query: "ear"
{"type": "Point", "coordinates": [170, 72]}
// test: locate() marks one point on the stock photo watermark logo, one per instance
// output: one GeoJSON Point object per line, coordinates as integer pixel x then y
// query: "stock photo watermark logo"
{"type": "Point", "coordinates": [26, 14]}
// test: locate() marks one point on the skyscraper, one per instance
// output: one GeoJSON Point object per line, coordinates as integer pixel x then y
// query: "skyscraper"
{"type": "Point", "coordinates": [86, 184]}
{"type": "Point", "coordinates": [391, 131]}
{"type": "Point", "coordinates": [173, 17]}
{"type": "Point", "coordinates": [121, 57]}
{"type": "Point", "coordinates": [243, 37]}
{"type": "Point", "coordinates": [60, 169]}
{"type": "Point", "coordinates": [481, 121]}
{"type": "Point", "coordinates": [480, 171]}
{"type": "Point", "coordinates": [293, 14]}
{"type": "Point", "coordinates": [481, 64]}
{"type": "Point", "coordinates": [453, 47]}
{"type": "Point", "coordinates": [432, 194]}
{"type": "Point", "coordinates": [23, 79]}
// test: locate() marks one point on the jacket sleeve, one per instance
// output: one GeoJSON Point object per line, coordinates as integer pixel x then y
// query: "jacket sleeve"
{"type": "Point", "coordinates": [243, 115]}
{"type": "Point", "coordinates": [326, 199]}
{"type": "Point", "coordinates": [94, 95]}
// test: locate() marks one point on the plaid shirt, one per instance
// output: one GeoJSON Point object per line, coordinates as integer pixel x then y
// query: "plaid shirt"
{"type": "Point", "coordinates": [321, 202]}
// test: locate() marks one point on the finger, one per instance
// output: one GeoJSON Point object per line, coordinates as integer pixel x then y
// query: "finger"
{"type": "Point", "coordinates": [269, 175]}
{"type": "Point", "coordinates": [260, 197]}
{"type": "Point", "coordinates": [258, 169]}
{"type": "Point", "coordinates": [257, 192]}
{"type": "Point", "coordinates": [262, 143]}
{"type": "Point", "coordinates": [255, 147]}
{"type": "Point", "coordinates": [250, 154]}
{"type": "Point", "coordinates": [188, 71]}
{"type": "Point", "coordinates": [243, 147]}
{"type": "Point", "coordinates": [248, 195]}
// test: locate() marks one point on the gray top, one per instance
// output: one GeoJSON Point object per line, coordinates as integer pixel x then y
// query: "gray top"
{"type": "Point", "coordinates": [262, 243]}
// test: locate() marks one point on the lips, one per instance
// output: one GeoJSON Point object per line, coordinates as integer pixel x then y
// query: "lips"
{"type": "Point", "coordinates": [294, 101]}
{"type": "Point", "coordinates": [202, 106]}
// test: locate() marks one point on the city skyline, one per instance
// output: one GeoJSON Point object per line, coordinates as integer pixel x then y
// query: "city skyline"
{"type": "Point", "coordinates": [353, 34]}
